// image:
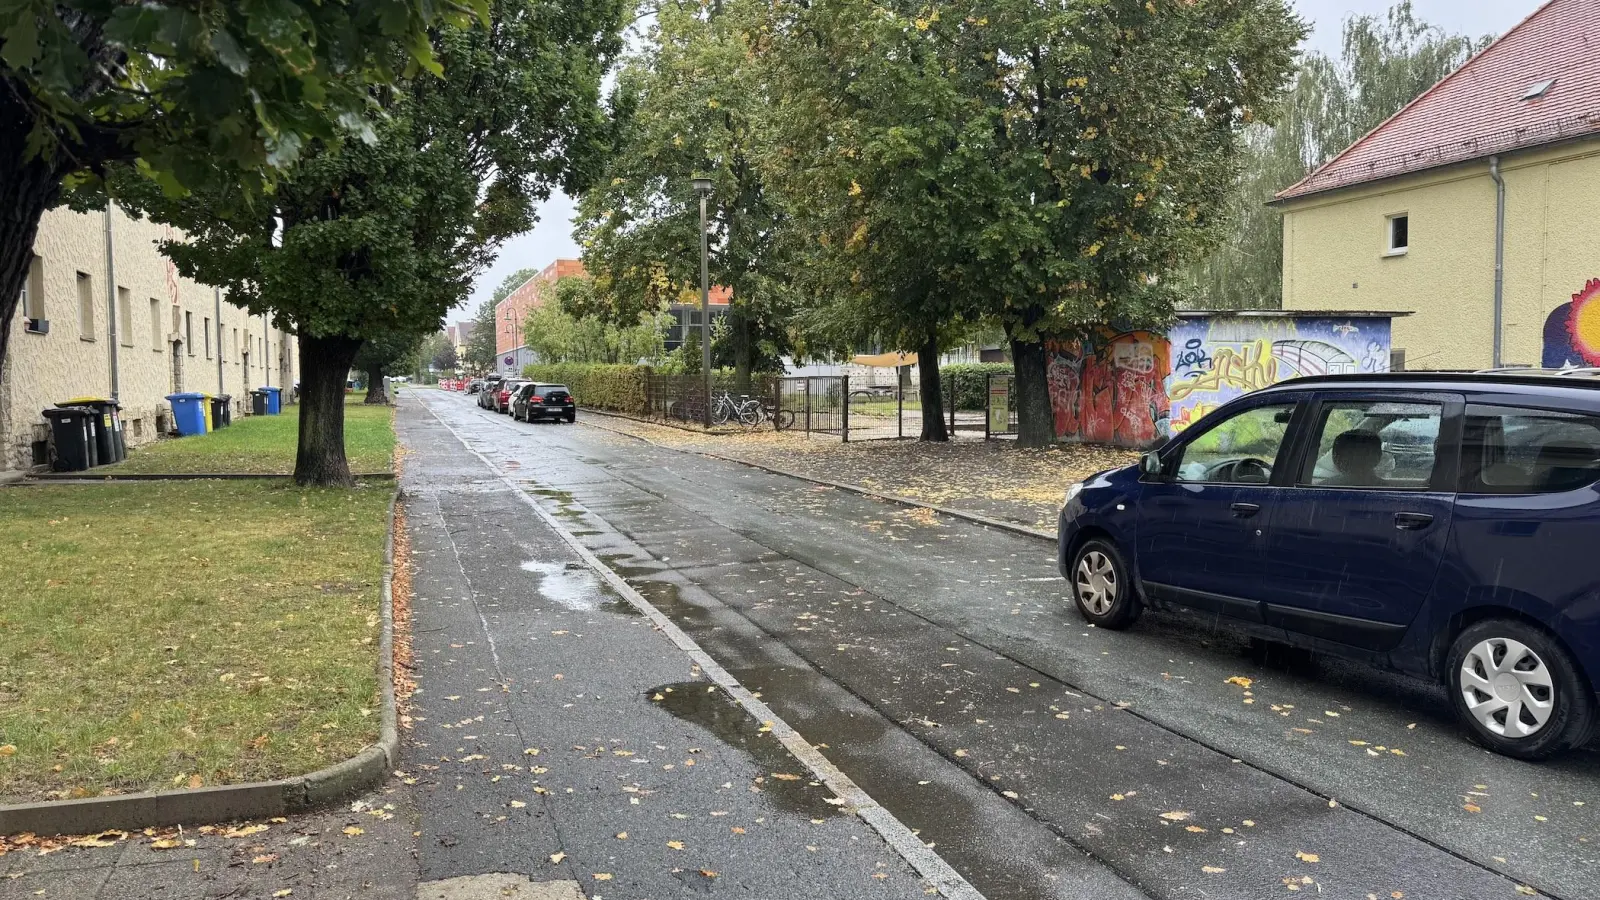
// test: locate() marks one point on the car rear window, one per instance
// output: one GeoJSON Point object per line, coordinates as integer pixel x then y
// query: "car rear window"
{"type": "Point", "coordinates": [1519, 450]}
{"type": "Point", "coordinates": [550, 388]}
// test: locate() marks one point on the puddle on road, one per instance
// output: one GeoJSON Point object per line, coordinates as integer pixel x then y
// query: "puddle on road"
{"type": "Point", "coordinates": [575, 587]}
{"type": "Point", "coordinates": [711, 708]}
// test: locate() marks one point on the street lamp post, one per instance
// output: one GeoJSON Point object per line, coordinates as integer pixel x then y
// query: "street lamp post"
{"type": "Point", "coordinates": [702, 186]}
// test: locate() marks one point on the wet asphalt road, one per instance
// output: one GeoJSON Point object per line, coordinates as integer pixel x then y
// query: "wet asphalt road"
{"type": "Point", "coordinates": [937, 662]}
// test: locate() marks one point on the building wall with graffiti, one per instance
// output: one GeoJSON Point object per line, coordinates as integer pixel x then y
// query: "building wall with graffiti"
{"type": "Point", "coordinates": [1217, 358]}
{"type": "Point", "coordinates": [1136, 388]}
{"type": "Point", "coordinates": [1572, 330]}
{"type": "Point", "coordinates": [1108, 388]}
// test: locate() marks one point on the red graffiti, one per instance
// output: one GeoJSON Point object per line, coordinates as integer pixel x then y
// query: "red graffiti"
{"type": "Point", "coordinates": [1108, 389]}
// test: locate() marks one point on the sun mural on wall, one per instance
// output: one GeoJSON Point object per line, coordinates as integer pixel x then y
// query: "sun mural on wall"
{"type": "Point", "coordinates": [1572, 330]}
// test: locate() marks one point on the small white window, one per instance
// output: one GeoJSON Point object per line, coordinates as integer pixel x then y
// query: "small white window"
{"type": "Point", "coordinates": [1399, 235]}
{"type": "Point", "coordinates": [125, 316]}
{"type": "Point", "coordinates": [33, 290]}
{"type": "Point", "coordinates": [85, 307]}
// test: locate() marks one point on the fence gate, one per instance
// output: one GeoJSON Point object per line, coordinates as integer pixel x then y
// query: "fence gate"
{"type": "Point", "coordinates": [817, 404]}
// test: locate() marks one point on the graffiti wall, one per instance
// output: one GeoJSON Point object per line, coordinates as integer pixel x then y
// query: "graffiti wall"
{"type": "Point", "coordinates": [1217, 358]}
{"type": "Point", "coordinates": [1572, 330]}
{"type": "Point", "coordinates": [1108, 389]}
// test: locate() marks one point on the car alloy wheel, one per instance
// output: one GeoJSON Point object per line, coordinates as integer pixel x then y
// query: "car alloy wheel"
{"type": "Point", "coordinates": [1507, 687]}
{"type": "Point", "coordinates": [1096, 580]}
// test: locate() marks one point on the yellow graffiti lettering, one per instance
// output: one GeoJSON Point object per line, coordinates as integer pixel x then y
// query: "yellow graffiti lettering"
{"type": "Point", "coordinates": [1250, 368]}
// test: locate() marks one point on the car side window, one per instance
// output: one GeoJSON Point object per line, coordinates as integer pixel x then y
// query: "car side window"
{"type": "Point", "coordinates": [1375, 444]}
{"type": "Point", "coordinates": [1519, 450]}
{"type": "Point", "coordinates": [1240, 449]}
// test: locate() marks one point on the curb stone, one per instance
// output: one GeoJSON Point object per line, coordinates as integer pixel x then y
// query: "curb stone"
{"type": "Point", "coordinates": [87, 477]}
{"type": "Point", "coordinates": [253, 800]}
{"type": "Point", "coordinates": [977, 518]}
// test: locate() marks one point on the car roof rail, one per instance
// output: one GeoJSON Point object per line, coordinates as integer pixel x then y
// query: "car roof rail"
{"type": "Point", "coordinates": [1548, 378]}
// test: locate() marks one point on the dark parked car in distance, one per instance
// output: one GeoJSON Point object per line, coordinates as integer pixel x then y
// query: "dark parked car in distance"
{"type": "Point", "coordinates": [533, 402]}
{"type": "Point", "coordinates": [1436, 524]}
{"type": "Point", "coordinates": [486, 394]}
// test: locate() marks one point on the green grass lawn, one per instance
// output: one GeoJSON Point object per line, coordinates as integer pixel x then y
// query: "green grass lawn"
{"type": "Point", "coordinates": [265, 445]}
{"type": "Point", "coordinates": [169, 634]}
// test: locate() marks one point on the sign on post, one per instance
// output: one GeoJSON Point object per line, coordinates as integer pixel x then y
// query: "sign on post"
{"type": "Point", "coordinates": [999, 404]}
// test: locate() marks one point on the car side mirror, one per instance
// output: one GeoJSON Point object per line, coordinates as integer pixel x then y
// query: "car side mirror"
{"type": "Point", "coordinates": [1150, 463]}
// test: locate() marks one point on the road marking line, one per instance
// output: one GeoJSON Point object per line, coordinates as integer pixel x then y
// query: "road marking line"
{"type": "Point", "coordinates": [927, 863]}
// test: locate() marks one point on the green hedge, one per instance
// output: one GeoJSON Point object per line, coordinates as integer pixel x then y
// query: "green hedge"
{"type": "Point", "coordinates": [617, 388]}
{"type": "Point", "coordinates": [971, 389]}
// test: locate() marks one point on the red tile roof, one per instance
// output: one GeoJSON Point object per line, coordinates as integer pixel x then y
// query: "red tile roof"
{"type": "Point", "coordinates": [1478, 110]}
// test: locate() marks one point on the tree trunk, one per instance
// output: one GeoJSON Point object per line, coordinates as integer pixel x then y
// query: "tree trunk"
{"type": "Point", "coordinates": [27, 190]}
{"type": "Point", "coordinates": [376, 395]}
{"type": "Point", "coordinates": [1035, 419]}
{"type": "Point", "coordinates": [930, 390]}
{"type": "Point", "coordinates": [324, 367]}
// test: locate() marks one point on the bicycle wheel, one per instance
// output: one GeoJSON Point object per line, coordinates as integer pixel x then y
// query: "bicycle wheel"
{"type": "Point", "coordinates": [750, 412]}
{"type": "Point", "coordinates": [783, 418]}
{"type": "Point", "coordinates": [719, 413]}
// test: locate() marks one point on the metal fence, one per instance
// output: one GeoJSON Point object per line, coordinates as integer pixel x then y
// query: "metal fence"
{"type": "Point", "coordinates": [884, 407]}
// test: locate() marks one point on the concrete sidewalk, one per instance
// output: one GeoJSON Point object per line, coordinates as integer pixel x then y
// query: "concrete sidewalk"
{"type": "Point", "coordinates": [560, 738]}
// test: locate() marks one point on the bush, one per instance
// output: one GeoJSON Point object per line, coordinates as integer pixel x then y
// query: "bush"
{"type": "Point", "coordinates": [617, 388]}
{"type": "Point", "coordinates": [971, 389]}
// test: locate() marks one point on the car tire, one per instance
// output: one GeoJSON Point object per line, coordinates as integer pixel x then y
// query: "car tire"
{"type": "Point", "coordinates": [571, 417]}
{"type": "Point", "coordinates": [1500, 662]}
{"type": "Point", "coordinates": [1101, 587]}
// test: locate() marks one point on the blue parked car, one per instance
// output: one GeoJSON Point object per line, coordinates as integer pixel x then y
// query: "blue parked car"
{"type": "Point", "coordinates": [1442, 525]}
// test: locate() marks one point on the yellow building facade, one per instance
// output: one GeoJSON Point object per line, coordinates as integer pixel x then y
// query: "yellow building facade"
{"type": "Point", "coordinates": [1337, 254]}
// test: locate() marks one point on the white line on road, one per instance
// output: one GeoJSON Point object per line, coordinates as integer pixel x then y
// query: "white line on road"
{"type": "Point", "coordinates": [927, 863]}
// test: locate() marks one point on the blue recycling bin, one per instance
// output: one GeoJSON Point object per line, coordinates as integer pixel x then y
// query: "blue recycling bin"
{"type": "Point", "coordinates": [274, 400]}
{"type": "Point", "coordinates": [189, 413]}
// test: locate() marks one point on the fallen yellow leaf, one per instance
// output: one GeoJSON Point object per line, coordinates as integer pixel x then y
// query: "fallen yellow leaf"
{"type": "Point", "coordinates": [352, 830]}
{"type": "Point", "coordinates": [1194, 828]}
{"type": "Point", "coordinates": [517, 804]}
{"type": "Point", "coordinates": [557, 857]}
{"type": "Point", "coordinates": [676, 845]}
{"type": "Point", "coordinates": [1240, 680]}
{"type": "Point", "coordinates": [1307, 857]}
{"type": "Point", "coordinates": [602, 876]}
{"type": "Point", "coordinates": [1176, 815]}
{"type": "Point", "coordinates": [1212, 870]}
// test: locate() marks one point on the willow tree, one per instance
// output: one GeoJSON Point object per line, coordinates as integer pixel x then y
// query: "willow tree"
{"type": "Point", "coordinates": [1383, 64]}
{"type": "Point", "coordinates": [197, 93]}
{"type": "Point", "coordinates": [383, 238]}
{"type": "Point", "coordinates": [686, 104]}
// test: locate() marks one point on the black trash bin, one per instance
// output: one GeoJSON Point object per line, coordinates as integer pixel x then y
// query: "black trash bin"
{"type": "Point", "coordinates": [110, 443]}
{"type": "Point", "coordinates": [70, 426]}
{"type": "Point", "coordinates": [221, 411]}
{"type": "Point", "coordinates": [258, 403]}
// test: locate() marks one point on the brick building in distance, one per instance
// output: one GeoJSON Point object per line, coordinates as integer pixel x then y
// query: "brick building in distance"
{"type": "Point", "coordinates": [511, 351]}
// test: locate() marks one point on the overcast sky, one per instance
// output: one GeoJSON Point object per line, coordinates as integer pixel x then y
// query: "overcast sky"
{"type": "Point", "coordinates": [552, 237]}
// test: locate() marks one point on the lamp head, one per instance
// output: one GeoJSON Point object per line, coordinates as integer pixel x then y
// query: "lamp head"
{"type": "Point", "coordinates": [702, 186]}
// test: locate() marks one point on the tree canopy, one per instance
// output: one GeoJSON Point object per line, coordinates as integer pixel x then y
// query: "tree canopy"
{"type": "Point", "coordinates": [384, 238]}
{"type": "Point", "coordinates": [686, 106]}
{"type": "Point", "coordinates": [219, 95]}
{"type": "Point", "coordinates": [1045, 166]}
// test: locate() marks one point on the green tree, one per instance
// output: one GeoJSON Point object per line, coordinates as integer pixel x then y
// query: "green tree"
{"type": "Point", "coordinates": [384, 238]}
{"type": "Point", "coordinates": [479, 355]}
{"type": "Point", "coordinates": [441, 354]}
{"type": "Point", "coordinates": [1081, 152]}
{"type": "Point", "coordinates": [1385, 62]}
{"type": "Point", "coordinates": [686, 105]}
{"type": "Point", "coordinates": [385, 354]}
{"type": "Point", "coordinates": [196, 93]}
{"type": "Point", "coordinates": [558, 332]}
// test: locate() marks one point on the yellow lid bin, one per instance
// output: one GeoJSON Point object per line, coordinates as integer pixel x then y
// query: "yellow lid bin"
{"type": "Point", "coordinates": [211, 425]}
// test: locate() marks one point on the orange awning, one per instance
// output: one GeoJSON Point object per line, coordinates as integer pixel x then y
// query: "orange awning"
{"type": "Point", "coordinates": [886, 360]}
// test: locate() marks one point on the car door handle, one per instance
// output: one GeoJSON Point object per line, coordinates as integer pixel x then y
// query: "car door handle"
{"type": "Point", "coordinates": [1411, 521]}
{"type": "Point", "coordinates": [1245, 510]}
